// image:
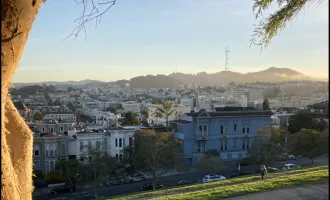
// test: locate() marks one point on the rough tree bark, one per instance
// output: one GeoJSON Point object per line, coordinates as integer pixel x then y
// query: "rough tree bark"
{"type": "Point", "coordinates": [17, 17]}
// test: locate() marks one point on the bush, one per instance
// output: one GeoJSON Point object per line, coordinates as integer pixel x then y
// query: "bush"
{"type": "Point", "coordinates": [54, 177]}
{"type": "Point", "coordinates": [37, 174]}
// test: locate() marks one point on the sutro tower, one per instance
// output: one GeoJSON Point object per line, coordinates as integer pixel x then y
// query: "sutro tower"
{"type": "Point", "coordinates": [227, 58]}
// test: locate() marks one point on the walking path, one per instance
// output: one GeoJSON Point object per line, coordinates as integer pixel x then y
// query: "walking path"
{"type": "Point", "coordinates": [306, 192]}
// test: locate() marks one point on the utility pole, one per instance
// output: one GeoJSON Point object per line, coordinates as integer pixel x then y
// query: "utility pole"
{"type": "Point", "coordinates": [286, 135]}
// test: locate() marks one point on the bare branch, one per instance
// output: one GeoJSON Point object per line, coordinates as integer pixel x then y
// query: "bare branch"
{"type": "Point", "coordinates": [95, 13]}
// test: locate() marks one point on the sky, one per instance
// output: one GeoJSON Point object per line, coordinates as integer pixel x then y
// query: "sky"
{"type": "Point", "coordinates": [140, 37]}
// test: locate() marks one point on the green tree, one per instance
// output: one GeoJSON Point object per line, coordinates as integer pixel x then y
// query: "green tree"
{"type": "Point", "coordinates": [166, 110]}
{"type": "Point", "coordinates": [111, 109]}
{"type": "Point", "coordinates": [156, 153]}
{"type": "Point", "coordinates": [37, 174]}
{"type": "Point", "coordinates": [210, 162]}
{"type": "Point", "coordinates": [308, 143]}
{"type": "Point", "coordinates": [303, 120]}
{"type": "Point", "coordinates": [267, 145]}
{"type": "Point", "coordinates": [54, 177]}
{"type": "Point", "coordinates": [71, 107]}
{"type": "Point", "coordinates": [37, 116]}
{"type": "Point", "coordinates": [68, 169]}
{"type": "Point", "coordinates": [131, 119]}
{"type": "Point", "coordinates": [100, 166]}
{"type": "Point", "coordinates": [265, 104]}
{"type": "Point", "coordinates": [269, 27]}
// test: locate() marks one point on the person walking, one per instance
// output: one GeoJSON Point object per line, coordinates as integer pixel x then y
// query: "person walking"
{"type": "Point", "coordinates": [263, 171]}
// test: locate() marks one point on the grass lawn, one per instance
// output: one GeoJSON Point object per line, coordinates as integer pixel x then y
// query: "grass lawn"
{"type": "Point", "coordinates": [237, 186]}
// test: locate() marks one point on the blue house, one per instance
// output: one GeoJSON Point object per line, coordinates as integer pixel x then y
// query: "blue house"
{"type": "Point", "coordinates": [228, 130]}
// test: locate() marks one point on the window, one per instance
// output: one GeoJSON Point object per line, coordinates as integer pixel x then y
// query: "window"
{"type": "Point", "coordinates": [36, 150]}
{"type": "Point", "coordinates": [62, 128]}
{"type": "Point", "coordinates": [221, 129]}
{"type": "Point", "coordinates": [243, 146]}
{"type": "Point", "coordinates": [55, 149]}
{"type": "Point", "coordinates": [89, 145]}
{"type": "Point", "coordinates": [200, 128]}
{"type": "Point", "coordinates": [205, 128]}
{"type": "Point", "coordinates": [120, 140]}
{"type": "Point", "coordinates": [90, 158]}
{"type": "Point", "coordinates": [81, 159]}
{"type": "Point", "coordinates": [51, 165]}
{"type": "Point", "coordinates": [116, 141]}
{"type": "Point", "coordinates": [248, 130]}
{"type": "Point", "coordinates": [51, 150]}
{"type": "Point", "coordinates": [81, 146]}
{"type": "Point", "coordinates": [221, 145]}
{"type": "Point", "coordinates": [225, 145]}
{"type": "Point", "coordinates": [47, 151]}
{"type": "Point", "coordinates": [43, 130]}
{"type": "Point", "coordinates": [49, 129]}
{"type": "Point", "coordinates": [63, 149]}
{"type": "Point", "coordinates": [243, 129]}
{"type": "Point", "coordinates": [130, 141]}
{"type": "Point", "coordinates": [235, 142]}
{"type": "Point", "coordinates": [123, 142]}
{"type": "Point", "coordinates": [121, 157]}
{"type": "Point", "coordinates": [247, 143]}
{"type": "Point", "coordinates": [36, 164]}
{"type": "Point", "coordinates": [235, 127]}
{"type": "Point", "coordinates": [47, 166]}
{"type": "Point", "coordinates": [116, 157]}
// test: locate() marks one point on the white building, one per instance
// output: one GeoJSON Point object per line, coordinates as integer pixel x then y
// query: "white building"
{"type": "Point", "coordinates": [154, 118]}
{"type": "Point", "coordinates": [132, 106]}
{"type": "Point", "coordinates": [112, 142]}
{"type": "Point", "coordinates": [60, 116]}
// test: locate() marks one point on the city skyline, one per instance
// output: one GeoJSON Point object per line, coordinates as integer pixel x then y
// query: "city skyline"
{"type": "Point", "coordinates": [189, 36]}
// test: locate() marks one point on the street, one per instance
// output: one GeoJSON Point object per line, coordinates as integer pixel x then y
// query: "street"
{"type": "Point", "coordinates": [170, 181]}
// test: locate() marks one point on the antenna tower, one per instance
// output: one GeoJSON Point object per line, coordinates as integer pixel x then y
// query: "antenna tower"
{"type": "Point", "coordinates": [227, 58]}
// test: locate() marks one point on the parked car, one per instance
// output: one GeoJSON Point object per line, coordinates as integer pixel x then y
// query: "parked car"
{"type": "Point", "coordinates": [269, 169]}
{"type": "Point", "coordinates": [115, 181]}
{"type": "Point", "coordinates": [240, 173]}
{"type": "Point", "coordinates": [63, 189]}
{"type": "Point", "coordinates": [148, 186]}
{"type": "Point", "coordinates": [210, 178]}
{"type": "Point", "coordinates": [185, 182]}
{"type": "Point", "coordinates": [87, 196]}
{"type": "Point", "coordinates": [289, 166]}
{"type": "Point", "coordinates": [136, 178]}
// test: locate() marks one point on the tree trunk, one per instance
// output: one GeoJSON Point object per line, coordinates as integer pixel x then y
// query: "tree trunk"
{"type": "Point", "coordinates": [312, 159]}
{"type": "Point", "coordinates": [17, 17]}
{"type": "Point", "coordinates": [154, 180]}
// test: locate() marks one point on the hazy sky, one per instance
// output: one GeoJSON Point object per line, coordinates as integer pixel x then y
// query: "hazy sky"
{"type": "Point", "coordinates": [139, 37]}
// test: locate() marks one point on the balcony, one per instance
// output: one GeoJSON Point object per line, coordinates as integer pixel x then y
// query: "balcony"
{"type": "Point", "coordinates": [201, 137]}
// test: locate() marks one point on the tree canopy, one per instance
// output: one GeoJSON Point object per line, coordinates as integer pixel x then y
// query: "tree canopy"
{"type": "Point", "coordinates": [155, 153]}
{"type": "Point", "coordinates": [267, 145]}
{"type": "Point", "coordinates": [269, 27]}
{"type": "Point", "coordinates": [309, 143]}
{"type": "Point", "coordinates": [303, 120]}
{"type": "Point", "coordinates": [131, 119]}
{"type": "Point", "coordinates": [211, 162]}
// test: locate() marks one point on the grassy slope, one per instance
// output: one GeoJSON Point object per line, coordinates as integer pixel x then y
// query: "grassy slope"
{"type": "Point", "coordinates": [237, 186]}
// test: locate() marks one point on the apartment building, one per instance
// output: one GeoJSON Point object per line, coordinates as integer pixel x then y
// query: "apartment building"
{"type": "Point", "coordinates": [228, 130]}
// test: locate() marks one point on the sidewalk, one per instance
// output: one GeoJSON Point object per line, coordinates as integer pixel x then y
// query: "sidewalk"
{"type": "Point", "coordinates": [310, 192]}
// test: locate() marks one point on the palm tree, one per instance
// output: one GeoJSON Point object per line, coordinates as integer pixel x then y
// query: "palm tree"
{"type": "Point", "coordinates": [166, 110]}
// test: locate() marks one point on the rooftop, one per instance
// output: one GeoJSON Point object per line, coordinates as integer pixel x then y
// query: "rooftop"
{"type": "Point", "coordinates": [232, 113]}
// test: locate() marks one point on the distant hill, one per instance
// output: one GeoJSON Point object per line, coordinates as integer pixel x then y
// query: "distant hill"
{"type": "Point", "coordinates": [272, 74]}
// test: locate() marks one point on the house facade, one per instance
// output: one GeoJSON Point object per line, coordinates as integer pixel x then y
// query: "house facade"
{"type": "Point", "coordinates": [47, 150]}
{"type": "Point", "coordinates": [229, 132]}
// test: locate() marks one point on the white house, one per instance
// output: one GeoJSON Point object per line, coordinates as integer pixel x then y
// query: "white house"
{"type": "Point", "coordinates": [69, 116]}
